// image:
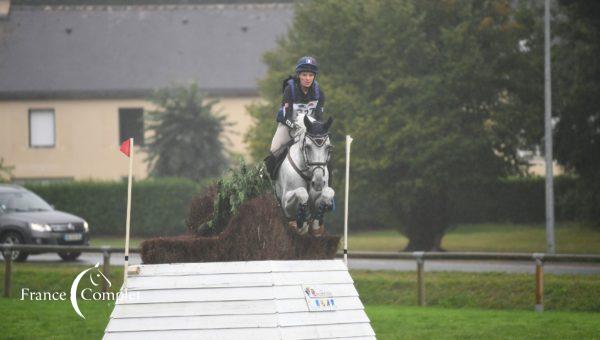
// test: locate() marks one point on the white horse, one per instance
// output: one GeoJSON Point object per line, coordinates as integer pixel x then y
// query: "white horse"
{"type": "Point", "coordinates": [302, 185]}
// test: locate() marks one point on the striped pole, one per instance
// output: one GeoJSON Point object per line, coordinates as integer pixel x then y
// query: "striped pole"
{"type": "Point", "coordinates": [126, 263]}
{"type": "Point", "coordinates": [348, 142]}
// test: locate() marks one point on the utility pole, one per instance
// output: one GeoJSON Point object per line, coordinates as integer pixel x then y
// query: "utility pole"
{"type": "Point", "coordinates": [551, 249]}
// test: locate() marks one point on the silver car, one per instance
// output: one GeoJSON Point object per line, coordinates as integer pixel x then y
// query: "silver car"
{"type": "Point", "coordinates": [25, 218]}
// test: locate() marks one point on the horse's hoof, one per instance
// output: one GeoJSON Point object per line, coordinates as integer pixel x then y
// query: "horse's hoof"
{"type": "Point", "coordinates": [293, 225]}
{"type": "Point", "coordinates": [317, 230]}
{"type": "Point", "coordinates": [304, 229]}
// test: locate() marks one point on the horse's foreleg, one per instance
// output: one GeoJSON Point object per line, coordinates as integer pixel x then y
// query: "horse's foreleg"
{"type": "Point", "coordinates": [296, 204]}
{"type": "Point", "coordinates": [322, 204]}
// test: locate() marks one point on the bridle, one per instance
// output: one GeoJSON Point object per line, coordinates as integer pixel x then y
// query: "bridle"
{"type": "Point", "coordinates": [311, 166]}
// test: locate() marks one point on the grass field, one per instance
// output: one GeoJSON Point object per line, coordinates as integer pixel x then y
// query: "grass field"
{"type": "Point", "coordinates": [56, 320]}
{"type": "Point", "coordinates": [570, 238]}
{"type": "Point", "coordinates": [491, 237]}
{"type": "Point", "coordinates": [394, 322]}
{"type": "Point", "coordinates": [460, 306]}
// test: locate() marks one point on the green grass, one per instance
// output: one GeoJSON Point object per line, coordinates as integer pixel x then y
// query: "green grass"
{"type": "Point", "coordinates": [56, 320]}
{"type": "Point", "coordinates": [573, 239]}
{"type": "Point", "coordinates": [460, 305]}
{"type": "Point", "coordinates": [394, 322]}
{"type": "Point", "coordinates": [53, 319]}
{"type": "Point", "coordinates": [479, 290]}
{"type": "Point", "coordinates": [115, 241]}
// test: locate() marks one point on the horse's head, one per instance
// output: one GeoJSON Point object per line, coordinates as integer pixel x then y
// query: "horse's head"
{"type": "Point", "coordinates": [317, 149]}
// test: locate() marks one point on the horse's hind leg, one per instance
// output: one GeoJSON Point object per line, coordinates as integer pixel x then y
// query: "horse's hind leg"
{"type": "Point", "coordinates": [295, 203]}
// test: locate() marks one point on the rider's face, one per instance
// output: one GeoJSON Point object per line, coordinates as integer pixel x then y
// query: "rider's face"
{"type": "Point", "coordinates": [306, 78]}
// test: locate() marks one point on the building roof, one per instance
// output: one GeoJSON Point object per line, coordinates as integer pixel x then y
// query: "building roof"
{"type": "Point", "coordinates": [127, 51]}
{"type": "Point", "coordinates": [240, 300]}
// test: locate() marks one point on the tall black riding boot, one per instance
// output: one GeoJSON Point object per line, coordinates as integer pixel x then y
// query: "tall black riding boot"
{"type": "Point", "coordinates": [270, 162]}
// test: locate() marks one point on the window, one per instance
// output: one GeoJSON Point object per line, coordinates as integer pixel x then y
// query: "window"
{"type": "Point", "coordinates": [41, 128]}
{"type": "Point", "coordinates": [131, 125]}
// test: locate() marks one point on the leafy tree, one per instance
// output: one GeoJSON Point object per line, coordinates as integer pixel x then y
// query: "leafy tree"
{"type": "Point", "coordinates": [185, 135]}
{"type": "Point", "coordinates": [576, 80]}
{"type": "Point", "coordinates": [438, 95]}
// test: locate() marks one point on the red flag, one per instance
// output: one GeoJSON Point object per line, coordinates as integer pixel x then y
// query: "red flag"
{"type": "Point", "coordinates": [126, 147]}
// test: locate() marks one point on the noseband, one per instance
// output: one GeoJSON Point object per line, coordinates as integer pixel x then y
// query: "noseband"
{"type": "Point", "coordinates": [320, 141]}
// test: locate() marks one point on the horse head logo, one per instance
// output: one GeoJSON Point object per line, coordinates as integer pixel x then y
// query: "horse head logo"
{"type": "Point", "coordinates": [96, 277]}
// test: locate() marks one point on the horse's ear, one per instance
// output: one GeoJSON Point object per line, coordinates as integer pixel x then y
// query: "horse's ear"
{"type": "Point", "coordinates": [328, 123]}
{"type": "Point", "coordinates": [307, 123]}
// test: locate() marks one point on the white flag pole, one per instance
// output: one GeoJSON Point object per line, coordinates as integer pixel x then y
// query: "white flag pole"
{"type": "Point", "coordinates": [126, 263]}
{"type": "Point", "coordinates": [348, 142]}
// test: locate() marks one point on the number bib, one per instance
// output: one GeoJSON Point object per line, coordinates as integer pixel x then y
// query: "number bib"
{"type": "Point", "coordinates": [306, 109]}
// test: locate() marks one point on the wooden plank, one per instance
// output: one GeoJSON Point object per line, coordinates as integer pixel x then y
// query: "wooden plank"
{"type": "Point", "coordinates": [231, 294]}
{"type": "Point", "coordinates": [237, 280]}
{"type": "Point", "coordinates": [205, 268]}
{"type": "Point", "coordinates": [240, 267]}
{"type": "Point", "coordinates": [141, 310]}
{"type": "Point", "coordinates": [327, 331]}
{"type": "Point", "coordinates": [322, 318]}
{"type": "Point", "coordinates": [193, 322]}
{"type": "Point", "coordinates": [200, 281]}
{"type": "Point", "coordinates": [214, 294]}
{"type": "Point", "coordinates": [195, 308]}
{"type": "Point", "coordinates": [330, 277]}
{"type": "Point", "coordinates": [333, 318]}
{"type": "Point", "coordinates": [308, 266]}
{"type": "Point", "coordinates": [221, 334]}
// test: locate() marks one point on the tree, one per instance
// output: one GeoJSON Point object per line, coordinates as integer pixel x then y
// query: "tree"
{"type": "Point", "coordinates": [185, 135]}
{"type": "Point", "coordinates": [576, 103]}
{"type": "Point", "coordinates": [438, 96]}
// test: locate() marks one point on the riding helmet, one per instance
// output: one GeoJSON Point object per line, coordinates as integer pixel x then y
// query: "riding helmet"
{"type": "Point", "coordinates": [307, 64]}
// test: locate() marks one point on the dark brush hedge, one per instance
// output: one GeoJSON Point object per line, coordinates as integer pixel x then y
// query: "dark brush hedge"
{"type": "Point", "coordinates": [158, 208]}
{"type": "Point", "coordinates": [258, 231]}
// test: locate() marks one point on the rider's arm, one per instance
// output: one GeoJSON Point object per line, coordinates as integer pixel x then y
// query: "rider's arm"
{"type": "Point", "coordinates": [320, 106]}
{"type": "Point", "coordinates": [288, 106]}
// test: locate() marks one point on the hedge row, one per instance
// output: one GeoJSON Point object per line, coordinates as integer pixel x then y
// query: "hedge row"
{"type": "Point", "coordinates": [159, 206]}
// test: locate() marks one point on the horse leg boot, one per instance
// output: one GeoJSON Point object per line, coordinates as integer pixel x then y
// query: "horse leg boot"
{"type": "Point", "coordinates": [323, 204]}
{"type": "Point", "coordinates": [296, 204]}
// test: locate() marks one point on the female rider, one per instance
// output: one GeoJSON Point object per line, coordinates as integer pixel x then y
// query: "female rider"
{"type": "Point", "coordinates": [301, 94]}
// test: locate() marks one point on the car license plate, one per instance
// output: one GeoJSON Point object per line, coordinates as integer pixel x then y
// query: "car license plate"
{"type": "Point", "coordinates": [73, 237]}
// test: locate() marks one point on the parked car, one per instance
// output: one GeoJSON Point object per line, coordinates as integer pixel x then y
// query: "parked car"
{"type": "Point", "coordinates": [25, 218]}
